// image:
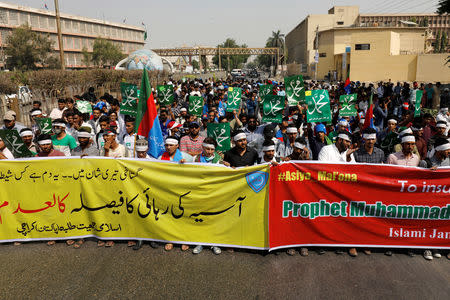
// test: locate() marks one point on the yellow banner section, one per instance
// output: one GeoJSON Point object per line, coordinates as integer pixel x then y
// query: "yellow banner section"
{"type": "Point", "coordinates": [45, 199]}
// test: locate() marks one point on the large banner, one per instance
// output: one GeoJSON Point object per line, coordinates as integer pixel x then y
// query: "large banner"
{"type": "Point", "coordinates": [358, 205]}
{"type": "Point", "coordinates": [50, 199]}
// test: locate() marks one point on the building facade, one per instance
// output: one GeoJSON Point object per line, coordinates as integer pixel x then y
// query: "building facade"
{"type": "Point", "coordinates": [301, 41]}
{"type": "Point", "coordinates": [77, 32]}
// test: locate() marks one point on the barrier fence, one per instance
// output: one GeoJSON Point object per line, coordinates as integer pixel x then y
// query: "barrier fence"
{"type": "Point", "coordinates": [259, 207]}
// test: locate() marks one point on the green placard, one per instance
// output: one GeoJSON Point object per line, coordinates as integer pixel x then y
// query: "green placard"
{"type": "Point", "coordinates": [195, 105]}
{"type": "Point", "coordinates": [418, 95]}
{"type": "Point", "coordinates": [129, 99]}
{"type": "Point", "coordinates": [273, 106]}
{"type": "Point", "coordinates": [14, 143]}
{"type": "Point", "coordinates": [348, 105]}
{"type": "Point", "coordinates": [264, 90]}
{"type": "Point", "coordinates": [234, 99]}
{"type": "Point", "coordinates": [84, 107]}
{"type": "Point", "coordinates": [165, 94]}
{"type": "Point", "coordinates": [222, 134]}
{"type": "Point", "coordinates": [319, 109]}
{"type": "Point", "coordinates": [45, 125]}
{"type": "Point", "coordinates": [295, 90]}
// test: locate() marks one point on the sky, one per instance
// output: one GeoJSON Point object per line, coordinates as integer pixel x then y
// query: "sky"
{"type": "Point", "coordinates": [179, 23]}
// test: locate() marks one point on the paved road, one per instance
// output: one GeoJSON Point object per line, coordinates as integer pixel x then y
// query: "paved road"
{"type": "Point", "coordinates": [36, 270]}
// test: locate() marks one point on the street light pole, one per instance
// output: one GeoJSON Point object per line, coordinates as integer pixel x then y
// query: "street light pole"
{"type": "Point", "coordinates": [60, 42]}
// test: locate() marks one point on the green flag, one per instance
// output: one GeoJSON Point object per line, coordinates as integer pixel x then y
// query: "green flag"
{"type": "Point", "coordinates": [348, 105]}
{"type": "Point", "coordinates": [273, 106]}
{"type": "Point", "coordinates": [418, 96]}
{"type": "Point", "coordinates": [84, 107]}
{"type": "Point", "coordinates": [45, 125]}
{"type": "Point", "coordinates": [14, 143]}
{"type": "Point", "coordinates": [295, 90]}
{"type": "Point", "coordinates": [221, 133]}
{"type": "Point", "coordinates": [165, 94]}
{"type": "Point", "coordinates": [234, 99]}
{"type": "Point", "coordinates": [319, 109]}
{"type": "Point", "coordinates": [195, 105]}
{"type": "Point", "coordinates": [129, 99]}
{"type": "Point", "coordinates": [264, 90]}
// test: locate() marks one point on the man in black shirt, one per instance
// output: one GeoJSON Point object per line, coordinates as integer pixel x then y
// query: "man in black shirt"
{"type": "Point", "coordinates": [241, 155]}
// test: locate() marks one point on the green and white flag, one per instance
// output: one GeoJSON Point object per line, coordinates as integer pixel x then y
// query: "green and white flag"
{"type": "Point", "coordinates": [165, 94]}
{"type": "Point", "coordinates": [295, 90]}
{"type": "Point", "coordinates": [234, 99]}
{"type": "Point", "coordinates": [195, 105]}
{"type": "Point", "coordinates": [129, 99]}
{"type": "Point", "coordinates": [264, 90]}
{"type": "Point", "coordinates": [84, 107]}
{"type": "Point", "coordinates": [319, 109]}
{"type": "Point", "coordinates": [45, 125]}
{"type": "Point", "coordinates": [273, 106]}
{"type": "Point", "coordinates": [221, 132]}
{"type": "Point", "coordinates": [14, 143]}
{"type": "Point", "coordinates": [418, 100]}
{"type": "Point", "coordinates": [348, 105]}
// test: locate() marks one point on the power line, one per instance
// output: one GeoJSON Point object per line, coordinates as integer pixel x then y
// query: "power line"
{"type": "Point", "coordinates": [418, 5]}
{"type": "Point", "coordinates": [394, 5]}
{"type": "Point", "coordinates": [377, 5]}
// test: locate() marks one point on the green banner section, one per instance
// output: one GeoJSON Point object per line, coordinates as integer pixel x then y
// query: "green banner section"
{"type": "Point", "coordinates": [195, 105]}
{"type": "Point", "coordinates": [348, 105]}
{"type": "Point", "coordinates": [45, 125]}
{"type": "Point", "coordinates": [165, 94]}
{"type": "Point", "coordinates": [221, 132]}
{"type": "Point", "coordinates": [295, 90]}
{"type": "Point", "coordinates": [319, 109]}
{"type": "Point", "coordinates": [273, 106]}
{"type": "Point", "coordinates": [84, 107]}
{"type": "Point", "coordinates": [234, 99]}
{"type": "Point", "coordinates": [14, 143]}
{"type": "Point", "coordinates": [264, 90]}
{"type": "Point", "coordinates": [418, 95]}
{"type": "Point", "coordinates": [129, 99]}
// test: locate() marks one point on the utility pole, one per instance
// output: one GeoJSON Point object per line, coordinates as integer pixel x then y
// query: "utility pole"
{"type": "Point", "coordinates": [60, 41]}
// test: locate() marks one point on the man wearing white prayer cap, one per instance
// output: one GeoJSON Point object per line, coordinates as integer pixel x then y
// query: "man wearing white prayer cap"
{"type": "Point", "coordinates": [441, 156]}
{"type": "Point", "coordinates": [405, 157]}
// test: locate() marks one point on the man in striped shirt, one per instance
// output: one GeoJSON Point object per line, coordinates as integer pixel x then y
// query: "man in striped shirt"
{"type": "Point", "coordinates": [192, 143]}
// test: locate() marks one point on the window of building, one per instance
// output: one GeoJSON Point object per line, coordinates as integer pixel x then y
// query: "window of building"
{"type": "Point", "coordinates": [75, 26]}
{"type": "Point", "coordinates": [107, 31]}
{"type": "Point", "coordinates": [362, 46]}
{"type": "Point", "coordinates": [82, 27]}
{"type": "Point", "coordinates": [89, 28]}
{"type": "Point", "coordinates": [324, 54]}
{"type": "Point", "coordinates": [23, 18]}
{"type": "Point", "coordinates": [3, 16]}
{"type": "Point", "coordinates": [34, 20]}
{"type": "Point", "coordinates": [52, 23]}
{"type": "Point", "coordinates": [13, 17]}
{"type": "Point", "coordinates": [340, 22]}
{"type": "Point", "coordinates": [43, 22]}
{"type": "Point", "coordinates": [76, 43]}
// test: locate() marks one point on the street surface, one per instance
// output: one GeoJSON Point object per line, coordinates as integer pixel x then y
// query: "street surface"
{"type": "Point", "coordinates": [35, 270]}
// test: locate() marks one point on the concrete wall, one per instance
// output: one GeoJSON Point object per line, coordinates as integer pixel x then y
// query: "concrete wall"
{"type": "Point", "coordinates": [432, 68]}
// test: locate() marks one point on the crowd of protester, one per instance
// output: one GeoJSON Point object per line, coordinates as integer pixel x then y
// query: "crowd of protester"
{"type": "Point", "coordinates": [396, 137]}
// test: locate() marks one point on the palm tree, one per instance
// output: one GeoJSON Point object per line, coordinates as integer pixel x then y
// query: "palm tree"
{"type": "Point", "coordinates": [277, 41]}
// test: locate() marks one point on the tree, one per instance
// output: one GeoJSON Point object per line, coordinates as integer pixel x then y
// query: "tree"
{"type": "Point", "coordinates": [443, 7]}
{"type": "Point", "coordinates": [195, 64]}
{"type": "Point", "coordinates": [235, 61]}
{"type": "Point", "coordinates": [26, 49]}
{"type": "Point", "coordinates": [437, 43]}
{"type": "Point", "coordinates": [274, 41]}
{"type": "Point", "coordinates": [87, 57]}
{"type": "Point", "coordinates": [443, 42]}
{"type": "Point", "coordinates": [105, 53]}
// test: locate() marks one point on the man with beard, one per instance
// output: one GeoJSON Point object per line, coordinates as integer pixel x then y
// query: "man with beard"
{"type": "Point", "coordinates": [241, 155]}
{"type": "Point", "coordinates": [192, 143]}
{"type": "Point", "coordinates": [46, 147]}
{"type": "Point", "coordinates": [269, 153]}
{"type": "Point", "coordinates": [27, 137]}
{"type": "Point", "coordinates": [338, 152]}
{"type": "Point", "coordinates": [286, 147]}
{"type": "Point", "coordinates": [300, 151]}
{"type": "Point", "coordinates": [86, 147]}
{"type": "Point", "coordinates": [441, 156]}
{"type": "Point", "coordinates": [317, 141]}
{"type": "Point", "coordinates": [253, 132]}
{"type": "Point", "coordinates": [405, 157]}
{"type": "Point", "coordinates": [9, 119]}
{"type": "Point", "coordinates": [369, 153]}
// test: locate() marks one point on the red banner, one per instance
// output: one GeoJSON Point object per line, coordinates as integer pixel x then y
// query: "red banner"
{"type": "Point", "coordinates": [315, 204]}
